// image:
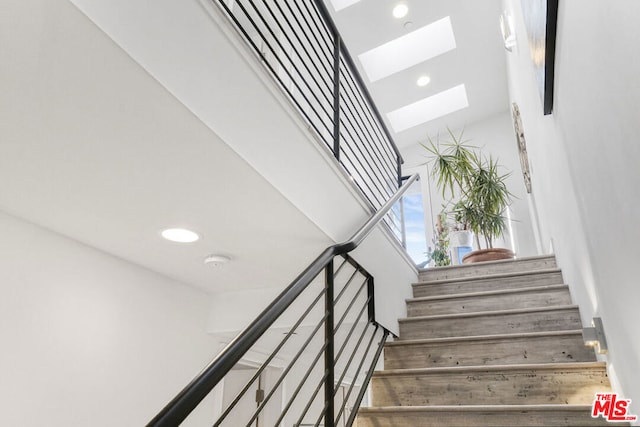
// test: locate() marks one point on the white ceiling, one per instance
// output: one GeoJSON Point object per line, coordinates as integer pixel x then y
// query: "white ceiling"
{"type": "Point", "coordinates": [95, 149]}
{"type": "Point", "coordinates": [478, 61]}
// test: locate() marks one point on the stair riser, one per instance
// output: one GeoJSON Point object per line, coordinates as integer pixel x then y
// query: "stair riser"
{"type": "Point", "coordinates": [490, 388]}
{"type": "Point", "coordinates": [546, 349]}
{"type": "Point", "coordinates": [556, 417]}
{"type": "Point", "coordinates": [553, 320]}
{"type": "Point", "coordinates": [470, 270]}
{"type": "Point", "coordinates": [488, 284]}
{"type": "Point", "coordinates": [473, 304]}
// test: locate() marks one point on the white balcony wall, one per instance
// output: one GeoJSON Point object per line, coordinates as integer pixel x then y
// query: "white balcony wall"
{"type": "Point", "coordinates": [584, 161]}
{"type": "Point", "coordinates": [244, 106]}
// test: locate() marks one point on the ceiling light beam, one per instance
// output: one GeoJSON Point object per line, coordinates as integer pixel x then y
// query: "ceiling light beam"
{"type": "Point", "coordinates": [428, 109]}
{"type": "Point", "coordinates": [411, 49]}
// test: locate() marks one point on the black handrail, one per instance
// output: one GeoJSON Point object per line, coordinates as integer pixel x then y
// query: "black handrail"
{"type": "Point", "coordinates": [186, 401]}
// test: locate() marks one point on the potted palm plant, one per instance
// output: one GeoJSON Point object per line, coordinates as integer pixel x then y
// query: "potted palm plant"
{"type": "Point", "coordinates": [474, 181]}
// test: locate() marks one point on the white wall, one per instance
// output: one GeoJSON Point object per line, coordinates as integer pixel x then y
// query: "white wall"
{"type": "Point", "coordinates": [88, 339]}
{"type": "Point", "coordinates": [584, 161]}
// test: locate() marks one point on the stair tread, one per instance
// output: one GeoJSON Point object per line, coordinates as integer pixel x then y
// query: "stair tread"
{"type": "Point", "coordinates": [482, 337]}
{"type": "Point", "coordinates": [488, 276]}
{"type": "Point", "coordinates": [554, 385]}
{"type": "Point", "coordinates": [492, 263]}
{"type": "Point", "coordinates": [490, 368]}
{"type": "Point", "coordinates": [487, 293]}
{"type": "Point", "coordinates": [489, 313]}
{"type": "Point", "coordinates": [577, 415]}
{"type": "Point", "coordinates": [470, 408]}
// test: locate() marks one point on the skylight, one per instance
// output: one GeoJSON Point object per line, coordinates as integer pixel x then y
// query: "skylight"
{"type": "Point", "coordinates": [341, 4]}
{"type": "Point", "coordinates": [406, 51]}
{"type": "Point", "coordinates": [428, 109]}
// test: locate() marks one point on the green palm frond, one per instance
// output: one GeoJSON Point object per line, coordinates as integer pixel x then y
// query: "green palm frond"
{"type": "Point", "coordinates": [461, 170]}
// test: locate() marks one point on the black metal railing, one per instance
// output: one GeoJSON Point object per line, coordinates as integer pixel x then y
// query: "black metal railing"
{"type": "Point", "coordinates": [299, 44]}
{"type": "Point", "coordinates": [320, 315]}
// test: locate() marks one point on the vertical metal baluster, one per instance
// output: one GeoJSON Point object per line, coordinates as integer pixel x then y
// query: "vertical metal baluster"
{"type": "Point", "coordinates": [403, 226]}
{"type": "Point", "coordinates": [329, 358]}
{"type": "Point", "coordinates": [363, 389]}
{"type": "Point", "coordinates": [371, 296]}
{"type": "Point", "coordinates": [336, 97]}
{"type": "Point", "coordinates": [403, 231]}
{"type": "Point", "coordinates": [399, 171]}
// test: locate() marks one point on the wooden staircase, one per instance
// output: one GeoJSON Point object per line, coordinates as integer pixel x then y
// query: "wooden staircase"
{"type": "Point", "coordinates": [491, 344]}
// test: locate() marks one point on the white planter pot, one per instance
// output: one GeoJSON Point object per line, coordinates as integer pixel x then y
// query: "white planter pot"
{"type": "Point", "coordinates": [461, 239]}
{"type": "Point", "coordinates": [461, 243]}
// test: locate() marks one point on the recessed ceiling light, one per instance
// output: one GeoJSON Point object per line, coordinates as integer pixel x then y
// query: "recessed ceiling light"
{"type": "Point", "coordinates": [400, 11]}
{"type": "Point", "coordinates": [180, 235]}
{"type": "Point", "coordinates": [423, 81]}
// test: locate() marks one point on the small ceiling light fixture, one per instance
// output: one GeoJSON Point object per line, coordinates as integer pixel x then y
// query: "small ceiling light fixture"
{"type": "Point", "coordinates": [423, 80]}
{"type": "Point", "coordinates": [400, 10]}
{"type": "Point", "coordinates": [180, 235]}
{"type": "Point", "coordinates": [215, 260]}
